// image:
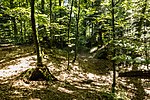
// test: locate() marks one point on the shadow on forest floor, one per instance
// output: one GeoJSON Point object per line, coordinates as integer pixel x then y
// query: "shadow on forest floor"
{"type": "Point", "coordinates": [88, 79]}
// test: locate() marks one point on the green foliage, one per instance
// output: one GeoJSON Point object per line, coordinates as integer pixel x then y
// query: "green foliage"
{"type": "Point", "coordinates": [17, 11]}
{"type": "Point", "coordinates": [58, 9]}
{"type": "Point", "coordinates": [130, 39]}
{"type": "Point", "coordinates": [42, 19]}
{"type": "Point", "coordinates": [95, 25]}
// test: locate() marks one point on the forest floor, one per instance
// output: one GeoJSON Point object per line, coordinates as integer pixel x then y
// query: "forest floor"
{"type": "Point", "coordinates": [87, 78]}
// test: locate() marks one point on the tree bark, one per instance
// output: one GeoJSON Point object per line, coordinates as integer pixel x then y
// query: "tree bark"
{"type": "Point", "coordinates": [69, 24]}
{"type": "Point", "coordinates": [113, 30]}
{"type": "Point", "coordinates": [15, 28]}
{"type": "Point", "coordinates": [13, 19]}
{"type": "Point", "coordinates": [77, 33]}
{"type": "Point", "coordinates": [35, 37]}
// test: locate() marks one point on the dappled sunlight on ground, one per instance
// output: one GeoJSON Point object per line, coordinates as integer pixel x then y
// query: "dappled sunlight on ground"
{"type": "Point", "coordinates": [20, 84]}
{"type": "Point", "coordinates": [71, 82]}
{"type": "Point", "coordinates": [21, 65]}
{"type": "Point", "coordinates": [86, 78]}
{"type": "Point", "coordinates": [80, 79]}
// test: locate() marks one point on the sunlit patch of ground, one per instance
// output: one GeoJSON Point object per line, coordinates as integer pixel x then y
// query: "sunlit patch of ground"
{"type": "Point", "coordinates": [68, 87]}
{"type": "Point", "coordinates": [86, 79]}
{"type": "Point", "coordinates": [83, 80]}
{"type": "Point", "coordinates": [20, 65]}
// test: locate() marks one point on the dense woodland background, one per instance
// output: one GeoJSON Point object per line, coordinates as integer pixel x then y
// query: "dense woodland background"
{"type": "Point", "coordinates": [109, 39]}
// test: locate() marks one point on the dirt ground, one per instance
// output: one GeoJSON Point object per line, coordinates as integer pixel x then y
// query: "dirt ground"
{"type": "Point", "coordinates": [87, 79]}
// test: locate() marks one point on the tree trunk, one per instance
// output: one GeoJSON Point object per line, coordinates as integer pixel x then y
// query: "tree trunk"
{"type": "Point", "coordinates": [69, 24]}
{"type": "Point", "coordinates": [44, 73]}
{"type": "Point", "coordinates": [60, 15]}
{"type": "Point", "coordinates": [42, 28]}
{"type": "Point", "coordinates": [100, 38]}
{"type": "Point", "coordinates": [50, 19]}
{"type": "Point", "coordinates": [24, 31]}
{"type": "Point", "coordinates": [13, 19]}
{"type": "Point", "coordinates": [114, 67]}
{"type": "Point", "coordinates": [35, 37]}
{"type": "Point", "coordinates": [84, 21]}
{"type": "Point", "coordinates": [21, 27]}
{"type": "Point", "coordinates": [77, 33]}
{"type": "Point", "coordinates": [15, 28]}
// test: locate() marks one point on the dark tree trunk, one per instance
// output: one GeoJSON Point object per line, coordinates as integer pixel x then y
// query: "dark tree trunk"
{"type": "Point", "coordinates": [50, 19]}
{"type": "Point", "coordinates": [60, 15]}
{"type": "Point", "coordinates": [21, 32]}
{"type": "Point", "coordinates": [36, 42]}
{"type": "Point", "coordinates": [44, 73]}
{"type": "Point", "coordinates": [15, 28]}
{"type": "Point", "coordinates": [77, 33]}
{"type": "Point", "coordinates": [114, 67]}
{"type": "Point", "coordinates": [24, 30]}
{"type": "Point", "coordinates": [100, 39]}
